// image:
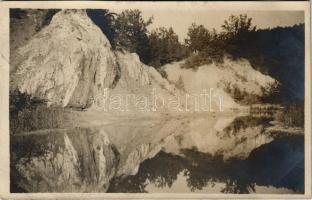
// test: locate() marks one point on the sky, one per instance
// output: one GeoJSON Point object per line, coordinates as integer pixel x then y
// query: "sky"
{"type": "Point", "coordinates": [180, 20]}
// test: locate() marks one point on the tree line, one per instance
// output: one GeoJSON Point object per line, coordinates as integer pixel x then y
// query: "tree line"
{"type": "Point", "coordinates": [278, 52]}
{"type": "Point", "coordinates": [128, 30]}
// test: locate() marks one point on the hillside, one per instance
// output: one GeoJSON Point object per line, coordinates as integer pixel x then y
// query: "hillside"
{"type": "Point", "coordinates": [77, 63]}
{"type": "Point", "coordinates": [230, 79]}
{"type": "Point", "coordinates": [278, 52]}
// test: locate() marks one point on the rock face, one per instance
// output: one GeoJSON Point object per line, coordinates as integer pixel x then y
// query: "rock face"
{"type": "Point", "coordinates": [70, 61]}
{"type": "Point", "coordinates": [77, 160]}
{"type": "Point", "coordinates": [222, 78]}
{"type": "Point", "coordinates": [139, 78]}
{"type": "Point", "coordinates": [24, 24]}
{"type": "Point", "coordinates": [67, 61]}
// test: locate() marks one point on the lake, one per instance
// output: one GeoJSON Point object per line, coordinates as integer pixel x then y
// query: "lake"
{"type": "Point", "coordinates": [187, 164]}
{"type": "Point", "coordinates": [207, 153]}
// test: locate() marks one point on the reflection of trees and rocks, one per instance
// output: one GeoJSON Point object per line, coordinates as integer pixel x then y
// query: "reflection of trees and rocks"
{"type": "Point", "coordinates": [210, 154]}
{"type": "Point", "coordinates": [242, 123]}
{"type": "Point", "coordinates": [278, 164]}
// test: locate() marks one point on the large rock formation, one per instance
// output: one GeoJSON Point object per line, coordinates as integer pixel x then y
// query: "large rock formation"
{"type": "Point", "coordinates": [70, 61]}
{"type": "Point", "coordinates": [66, 62]}
{"type": "Point", "coordinates": [24, 24]}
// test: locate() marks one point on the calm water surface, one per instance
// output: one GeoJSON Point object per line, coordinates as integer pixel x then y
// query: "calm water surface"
{"type": "Point", "coordinates": [274, 167]}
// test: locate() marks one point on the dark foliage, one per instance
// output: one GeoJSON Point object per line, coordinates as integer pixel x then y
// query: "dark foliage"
{"type": "Point", "coordinates": [165, 47]}
{"type": "Point", "coordinates": [265, 166]}
{"type": "Point", "coordinates": [131, 33]}
{"type": "Point", "coordinates": [17, 13]}
{"type": "Point", "coordinates": [128, 30]}
{"type": "Point", "coordinates": [48, 17]}
{"type": "Point", "coordinates": [41, 18]}
{"type": "Point", "coordinates": [104, 19]}
{"type": "Point", "coordinates": [20, 101]}
{"type": "Point", "coordinates": [292, 115]}
{"type": "Point", "coordinates": [29, 113]}
{"type": "Point", "coordinates": [206, 46]}
{"type": "Point", "coordinates": [278, 52]}
{"type": "Point", "coordinates": [242, 123]}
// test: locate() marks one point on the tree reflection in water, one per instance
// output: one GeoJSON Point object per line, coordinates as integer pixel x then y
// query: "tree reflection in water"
{"type": "Point", "coordinates": [279, 164]}
{"type": "Point", "coordinates": [242, 123]}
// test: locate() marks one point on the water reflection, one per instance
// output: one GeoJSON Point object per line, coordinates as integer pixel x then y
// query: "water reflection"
{"type": "Point", "coordinates": [227, 135]}
{"type": "Point", "coordinates": [277, 164]}
{"type": "Point", "coordinates": [243, 122]}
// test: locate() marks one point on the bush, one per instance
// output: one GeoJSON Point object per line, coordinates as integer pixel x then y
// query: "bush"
{"type": "Point", "coordinates": [162, 72]}
{"type": "Point", "coordinates": [105, 20]}
{"type": "Point", "coordinates": [242, 96]}
{"type": "Point", "coordinates": [180, 84]}
{"type": "Point", "coordinates": [131, 33]}
{"type": "Point", "coordinates": [212, 53]}
{"type": "Point", "coordinates": [195, 60]}
{"type": "Point", "coordinates": [165, 47]}
{"type": "Point", "coordinates": [292, 115]}
{"type": "Point", "coordinates": [210, 46]}
{"type": "Point", "coordinates": [29, 114]}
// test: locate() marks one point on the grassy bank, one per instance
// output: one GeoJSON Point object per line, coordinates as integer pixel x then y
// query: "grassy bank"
{"type": "Point", "coordinates": [29, 114]}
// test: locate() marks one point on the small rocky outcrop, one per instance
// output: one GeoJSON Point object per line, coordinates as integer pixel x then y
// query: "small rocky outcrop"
{"type": "Point", "coordinates": [227, 79]}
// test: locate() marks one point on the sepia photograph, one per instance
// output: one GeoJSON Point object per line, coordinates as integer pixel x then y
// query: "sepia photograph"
{"type": "Point", "coordinates": [140, 99]}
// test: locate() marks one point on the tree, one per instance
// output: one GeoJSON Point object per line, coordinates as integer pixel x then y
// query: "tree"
{"type": "Point", "coordinates": [207, 46]}
{"type": "Point", "coordinates": [132, 34]}
{"type": "Point", "coordinates": [237, 25]}
{"type": "Point", "coordinates": [18, 13]}
{"type": "Point", "coordinates": [237, 33]}
{"type": "Point", "coordinates": [165, 47]}
{"type": "Point", "coordinates": [105, 20]}
{"type": "Point", "coordinates": [198, 37]}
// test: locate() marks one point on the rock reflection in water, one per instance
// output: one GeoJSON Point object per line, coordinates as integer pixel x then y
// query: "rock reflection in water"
{"type": "Point", "coordinates": [278, 164]}
{"type": "Point", "coordinates": [242, 123]}
{"type": "Point", "coordinates": [204, 154]}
